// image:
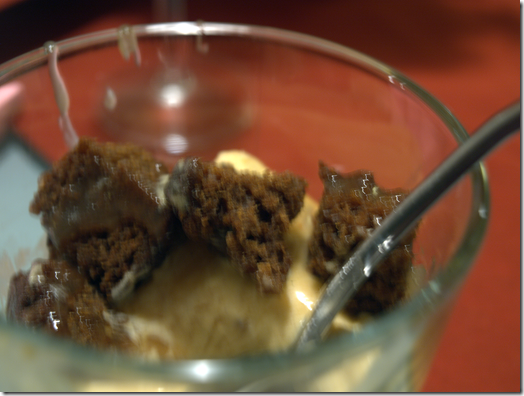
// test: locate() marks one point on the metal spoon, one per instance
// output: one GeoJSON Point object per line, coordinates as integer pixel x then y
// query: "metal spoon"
{"type": "Point", "coordinates": [384, 239]}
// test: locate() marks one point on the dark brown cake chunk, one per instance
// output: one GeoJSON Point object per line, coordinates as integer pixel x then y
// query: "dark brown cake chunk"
{"type": "Point", "coordinates": [244, 215]}
{"type": "Point", "coordinates": [107, 257]}
{"type": "Point", "coordinates": [352, 206]}
{"type": "Point", "coordinates": [103, 212]}
{"type": "Point", "coordinates": [55, 297]}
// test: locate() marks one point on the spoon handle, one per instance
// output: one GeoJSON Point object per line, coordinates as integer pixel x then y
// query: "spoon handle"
{"type": "Point", "coordinates": [377, 246]}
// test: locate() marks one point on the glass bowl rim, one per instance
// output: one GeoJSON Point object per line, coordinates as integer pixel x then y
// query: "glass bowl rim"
{"type": "Point", "coordinates": [438, 290]}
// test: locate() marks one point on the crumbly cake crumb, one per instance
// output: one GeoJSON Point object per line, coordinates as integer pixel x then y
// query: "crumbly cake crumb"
{"type": "Point", "coordinates": [352, 206]}
{"type": "Point", "coordinates": [55, 297]}
{"type": "Point", "coordinates": [244, 215]}
{"type": "Point", "coordinates": [103, 212]}
{"type": "Point", "coordinates": [90, 160]}
{"type": "Point", "coordinates": [110, 256]}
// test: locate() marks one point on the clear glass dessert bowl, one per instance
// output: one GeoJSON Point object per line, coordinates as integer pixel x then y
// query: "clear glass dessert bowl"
{"type": "Point", "coordinates": [284, 97]}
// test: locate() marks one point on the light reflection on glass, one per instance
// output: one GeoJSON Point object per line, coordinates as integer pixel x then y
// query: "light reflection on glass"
{"type": "Point", "coordinates": [173, 95]}
{"type": "Point", "coordinates": [175, 144]}
{"type": "Point", "coordinates": [52, 318]}
{"type": "Point", "coordinates": [201, 370]}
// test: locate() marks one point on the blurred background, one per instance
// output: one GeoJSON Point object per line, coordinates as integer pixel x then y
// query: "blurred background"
{"type": "Point", "coordinates": [466, 53]}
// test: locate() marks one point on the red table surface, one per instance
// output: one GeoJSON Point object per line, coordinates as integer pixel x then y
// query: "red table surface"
{"type": "Point", "coordinates": [467, 53]}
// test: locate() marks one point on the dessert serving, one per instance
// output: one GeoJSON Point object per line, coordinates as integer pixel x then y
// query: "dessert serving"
{"type": "Point", "coordinates": [182, 266]}
{"type": "Point", "coordinates": [207, 261]}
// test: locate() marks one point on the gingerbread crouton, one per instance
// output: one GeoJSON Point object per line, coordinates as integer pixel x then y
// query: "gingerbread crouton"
{"type": "Point", "coordinates": [242, 214]}
{"type": "Point", "coordinates": [352, 206]}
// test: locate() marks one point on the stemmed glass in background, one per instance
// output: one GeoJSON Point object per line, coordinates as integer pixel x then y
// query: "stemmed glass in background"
{"type": "Point", "coordinates": [169, 108]}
